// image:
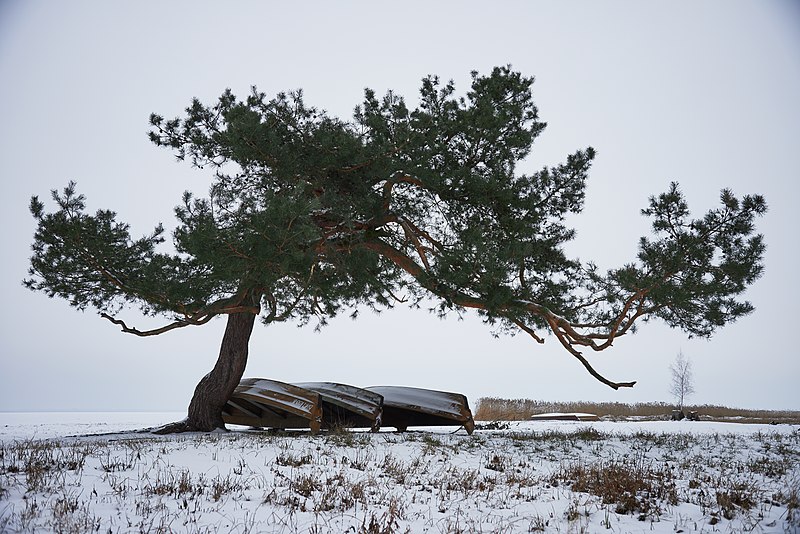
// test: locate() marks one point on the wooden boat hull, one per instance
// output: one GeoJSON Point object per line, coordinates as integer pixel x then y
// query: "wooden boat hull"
{"type": "Point", "coordinates": [347, 406]}
{"type": "Point", "coordinates": [406, 406]}
{"type": "Point", "coordinates": [260, 402]}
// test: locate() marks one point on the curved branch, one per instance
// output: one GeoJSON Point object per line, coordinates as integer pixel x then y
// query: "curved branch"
{"type": "Point", "coordinates": [567, 345]}
{"type": "Point", "coordinates": [155, 331]}
{"type": "Point", "coordinates": [411, 235]}
{"type": "Point", "coordinates": [555, 322]}
{"type": "Point", "coordinates": [397, 179]}
{"type": "Point", "coordinates": [525, 328]}
{"type": "Point", "coordinates": [223, 306]}
{"type": "Point", "coordinates": [423, 234]}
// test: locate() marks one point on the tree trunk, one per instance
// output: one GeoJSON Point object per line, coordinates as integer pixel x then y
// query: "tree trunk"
{"type": "Point", "coordinates": [214, 389]}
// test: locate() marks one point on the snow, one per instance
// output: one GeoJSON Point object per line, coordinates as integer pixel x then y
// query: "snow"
{"type": "Point", "coordinates": [429, 400]}
{"type": "Point", "coordinates": [431, 480]}
{"type": "Point", "coordinates": [44, 425]}
{"type": "Point", "coordinates": [663, 427]}
{"type": "Point", "coordinates": [571, 415]}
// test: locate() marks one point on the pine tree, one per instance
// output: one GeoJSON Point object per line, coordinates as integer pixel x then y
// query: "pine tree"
{"type": "Point", "coordinates": [309, 215]}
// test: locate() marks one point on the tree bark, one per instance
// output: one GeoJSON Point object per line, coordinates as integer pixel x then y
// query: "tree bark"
{"type": "Point", "coordinates": [214, 389]}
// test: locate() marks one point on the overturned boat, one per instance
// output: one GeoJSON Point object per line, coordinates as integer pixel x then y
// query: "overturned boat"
{"type": "Point", "coordinates": [406, 406]}
{"type": "Point", "coordinates": [346, 406]}
{"type": "Point", "coordinates": [260, 402]}
{"type": "Point", "coordinates": [564, 417]}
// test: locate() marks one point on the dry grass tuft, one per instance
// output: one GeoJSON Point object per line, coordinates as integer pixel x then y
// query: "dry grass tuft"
{"type": "Point", "coordinates": [633, 486]}
{"type": "Point", "coordinates": [792, 498]}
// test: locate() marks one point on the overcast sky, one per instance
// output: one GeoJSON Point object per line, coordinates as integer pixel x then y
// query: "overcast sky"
{"type": "Point", "coordinates": [704, 93]}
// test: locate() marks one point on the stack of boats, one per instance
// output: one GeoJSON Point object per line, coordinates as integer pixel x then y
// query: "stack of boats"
{"type": "Point", "coordinates": [260, 402]}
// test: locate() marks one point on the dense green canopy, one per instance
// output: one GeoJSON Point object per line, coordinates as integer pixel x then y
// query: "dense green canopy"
{"type": "Point", "coordinates": [309, 214]}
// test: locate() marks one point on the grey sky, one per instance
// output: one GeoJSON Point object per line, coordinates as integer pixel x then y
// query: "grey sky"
{"type": "Point", "coordinates": [705, 93]}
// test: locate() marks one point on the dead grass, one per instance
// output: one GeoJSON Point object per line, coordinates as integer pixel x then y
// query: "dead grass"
{"type": "Point", "coordinates": [498, 409]}
{"type": "Point", "coordinates": [387, 483]}
{"type": "Point", "coordinates": [633, 486]}
{"type": "Point", "coordinates": [791, 497]}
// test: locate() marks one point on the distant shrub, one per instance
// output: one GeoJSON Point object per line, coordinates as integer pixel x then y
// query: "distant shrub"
{"type": "Point", "coordinates": [498, 409]}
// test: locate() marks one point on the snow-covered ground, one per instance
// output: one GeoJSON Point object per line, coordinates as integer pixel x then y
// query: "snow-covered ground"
{"type": "Point", "coordinates": [553, 476]}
